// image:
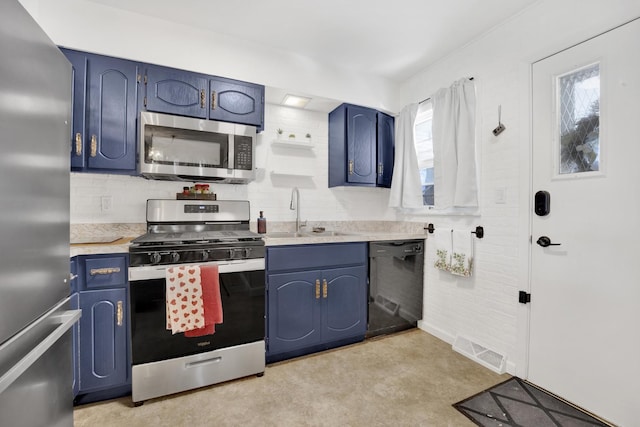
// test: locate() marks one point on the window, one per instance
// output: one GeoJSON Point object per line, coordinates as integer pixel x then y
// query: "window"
{"type": "Point", "coordinates": [424, 150]}
{"type": "Point", "coordinates": [579, 117]}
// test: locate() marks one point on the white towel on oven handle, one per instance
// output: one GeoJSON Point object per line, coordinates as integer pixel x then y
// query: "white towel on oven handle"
{"type": "Point", "coordinates": [184, 298]}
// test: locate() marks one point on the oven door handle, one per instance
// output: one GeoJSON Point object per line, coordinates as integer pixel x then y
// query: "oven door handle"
{"type": "Point", "coordinates": [159, 271]}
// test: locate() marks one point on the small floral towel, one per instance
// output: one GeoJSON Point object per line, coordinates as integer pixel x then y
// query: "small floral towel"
{"type": "Point", "coordinates": [462, 253]}
{"type": "Point", "coordinates": [454, 252]}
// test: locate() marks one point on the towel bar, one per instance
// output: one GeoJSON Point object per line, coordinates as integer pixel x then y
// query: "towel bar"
{"type": "Point", "coordinates": [479, 232]}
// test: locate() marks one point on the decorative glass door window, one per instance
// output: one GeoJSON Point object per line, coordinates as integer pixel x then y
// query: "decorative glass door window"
{"type": "Point", "coordinates": [579, 120]}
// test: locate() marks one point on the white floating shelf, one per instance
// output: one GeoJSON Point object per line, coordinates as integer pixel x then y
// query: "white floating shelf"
{"type": "Point", "coordinates": [290, 175]}
{"type": "Point", "coordinates": [293, 143]}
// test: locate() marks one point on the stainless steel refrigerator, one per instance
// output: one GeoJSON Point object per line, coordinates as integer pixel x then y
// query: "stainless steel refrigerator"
{"type": "Point", "coordinates": [35, 315]}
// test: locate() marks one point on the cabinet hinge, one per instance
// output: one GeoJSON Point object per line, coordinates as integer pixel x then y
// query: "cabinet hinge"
{"type": "Point", "coordinates": [524, 297]}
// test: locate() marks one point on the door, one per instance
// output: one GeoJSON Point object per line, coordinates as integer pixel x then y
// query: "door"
{"type": "Point", "coordinates": [361, 145]}
{"type": "Point", "coordinates": [294, 311]}
{"type": "Point", "coordinates": [103, 339]}
{"type": "Point", "coordinates": [238, 102]}
{"type": "Point", "coordinates": [386, 149]}
{"type": "Point", "coordinates": [585, 297]}
{"type": "Point", "coordinates": [175, 92]}
{"type": "Point", "coordinates": [112, 95]}
{"type": "Point", "coordinates": [344, 296]}
{"type": "Point", "coordinates": [78, 118]}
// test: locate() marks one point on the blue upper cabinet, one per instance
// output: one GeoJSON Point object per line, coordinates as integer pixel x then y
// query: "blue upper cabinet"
{"type": "Point", "coordinates": [79, 113]}
{"type": "Point", "coordinates": [386, 149]}
{"type": "Point", "coordinates": [361, 145]}
{"type": "Point", "coordinates": [105, 94]}
{"type": "Point", "coordinates": [112, 100]}
{"type": "Point", "coordinates": [236, 101]}
{"type": "Point", "coordinates": [172, 91]}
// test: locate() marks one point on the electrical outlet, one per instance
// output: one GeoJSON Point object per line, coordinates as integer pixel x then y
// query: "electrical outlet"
{"type": "Point", "coordinates": [106, 202]}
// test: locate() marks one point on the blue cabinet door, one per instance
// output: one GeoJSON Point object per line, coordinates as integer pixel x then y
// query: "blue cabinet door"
{"type": "Point", "coordinates": [78, 118]}
{"type": "Point", "coordinates": [236, 101]}
{"type": "Point", "coordinates": [294, 311]}
{"type": "Point", "coordinates": [112, 110]}
{"type": "Point", "coordinates": [352, 146]}
{"type": "Point", "coordinates": [172, 91]}
{"type": "Point", "coordinates": [103, 339]}
{"type": "Point", "coordinates": [386, 149]}
{"type": "Point", "coordinates": [344, 311]}
{"type": "Point", "coordinates": [361, 145]}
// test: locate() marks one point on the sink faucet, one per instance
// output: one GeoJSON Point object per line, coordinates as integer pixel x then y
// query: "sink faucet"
{"type": "Point", "coordinates": [295, 195]}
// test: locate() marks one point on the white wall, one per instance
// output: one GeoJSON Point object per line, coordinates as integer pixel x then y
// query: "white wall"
{"type": "Point", "coordinates": [269, 193]}
{"type": "Point", "coordinates": [93, 27]}
{"type": "Point", "coordinates": [484, 307]}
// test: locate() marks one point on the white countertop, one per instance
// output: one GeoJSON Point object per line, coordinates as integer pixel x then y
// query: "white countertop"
{"type": "Point", "coordinates": [348, 231]}
{"type": "Point", "coordinates": [367, 236]}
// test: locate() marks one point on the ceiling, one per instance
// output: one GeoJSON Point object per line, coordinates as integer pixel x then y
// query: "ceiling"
{"type": "Point", "coordinates": [393, 40]}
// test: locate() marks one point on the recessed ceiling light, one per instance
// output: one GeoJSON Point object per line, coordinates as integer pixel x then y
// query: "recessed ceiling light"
{"type": "Point", "coordinates": [295, 101]}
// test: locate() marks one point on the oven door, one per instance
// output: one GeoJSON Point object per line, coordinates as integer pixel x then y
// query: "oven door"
{"type": "Point", "coordinates": [242, 288]}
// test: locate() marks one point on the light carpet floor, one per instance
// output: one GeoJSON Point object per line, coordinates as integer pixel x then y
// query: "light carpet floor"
{"type": "Point", "coordinates": [407, 379]}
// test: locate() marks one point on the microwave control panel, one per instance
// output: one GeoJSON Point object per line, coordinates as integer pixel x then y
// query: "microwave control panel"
{"type": "Point", "coordinates": [243, 152]}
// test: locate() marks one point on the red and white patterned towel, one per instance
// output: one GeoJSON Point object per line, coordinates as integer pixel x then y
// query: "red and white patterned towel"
{"type": "Point", "coordinates": [185, 310]}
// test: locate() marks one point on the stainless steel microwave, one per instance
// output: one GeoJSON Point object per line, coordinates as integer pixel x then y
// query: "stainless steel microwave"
{"type": "Point", "coordinates": [186, 149]}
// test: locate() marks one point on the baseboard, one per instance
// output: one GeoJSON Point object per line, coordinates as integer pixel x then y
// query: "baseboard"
{"type": "Point", "coordinates": [450, 339]}
{"type": "Point", "coordinates": [436, 332]}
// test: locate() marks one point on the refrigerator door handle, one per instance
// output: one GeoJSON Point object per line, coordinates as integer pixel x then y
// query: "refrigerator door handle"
{"type": "Point", "coordinates": [67, 320]}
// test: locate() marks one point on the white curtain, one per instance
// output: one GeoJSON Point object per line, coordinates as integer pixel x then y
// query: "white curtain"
{"type": "Point", "coordinates": [406, 188]}
{"type": "Point", "coordinates": [455, 181]}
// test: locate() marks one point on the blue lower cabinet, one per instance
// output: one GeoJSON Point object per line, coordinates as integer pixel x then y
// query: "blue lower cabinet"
{"type": "Point", "coordinates": [311, 309]}
{"type": "Point", "coordinates": [294, 311]}
{"type": "Point", "coordinates": [101, 361]}
{"type": "Point", "coordinates": [103, 339]}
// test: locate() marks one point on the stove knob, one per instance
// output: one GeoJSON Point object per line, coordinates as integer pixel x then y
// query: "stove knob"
{"type": "Point", "coordinates": [247, 252]}
{"type": "Point", "coordinates": [205, 255]}
{"type": "Point", "coordinates": [154, 257]}
{"type": "Point", "coordinates": [175, 256]}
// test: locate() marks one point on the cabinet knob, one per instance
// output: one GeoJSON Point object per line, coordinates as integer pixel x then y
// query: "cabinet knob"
{"type": "Point", "coordinates": [213, 99]}
{"type": "Point", "coordinates": [317, 288]}
{"type": "Point", "coordinates": [324, 288]}
{"type": "Point", "coordinates": [202, 98]}
{"type": "Point", "coordinates": [78, 144]}
{"type": "Point", "coordinates": [380, 169]}
{"type": "Point", "coordinates": [350, 167]}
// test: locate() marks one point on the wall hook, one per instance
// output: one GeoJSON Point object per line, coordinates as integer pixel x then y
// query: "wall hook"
{"type": "Point", "coordinates": [497, 131]}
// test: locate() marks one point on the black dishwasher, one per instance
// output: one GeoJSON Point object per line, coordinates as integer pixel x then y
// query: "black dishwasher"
{"type": "Point", "coordinates": [395, 286]}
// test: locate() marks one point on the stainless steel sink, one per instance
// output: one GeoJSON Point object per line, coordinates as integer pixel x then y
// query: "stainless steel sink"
{"type": "Point", "coordinates": [292, 234]}
{"type": "Point", "coordinates": [285, 235]}
{"type": "Point", "coordinates": [326, 233]}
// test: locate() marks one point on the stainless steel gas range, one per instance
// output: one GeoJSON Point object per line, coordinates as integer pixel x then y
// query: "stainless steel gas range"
{"type": "Point", "coordinates": [196, 233]}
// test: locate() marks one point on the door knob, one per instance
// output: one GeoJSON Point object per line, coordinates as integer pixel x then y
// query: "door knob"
{"type": "Point", "coordinates": [544, 241]}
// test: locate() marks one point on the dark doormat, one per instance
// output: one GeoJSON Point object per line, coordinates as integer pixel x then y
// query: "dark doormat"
{"type": "Point", "coordinates": [515, 403]}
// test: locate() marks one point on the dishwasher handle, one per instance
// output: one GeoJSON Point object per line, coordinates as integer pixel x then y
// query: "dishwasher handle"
{"type": "Point", "coordinates": [396, 248]}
